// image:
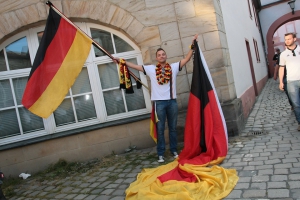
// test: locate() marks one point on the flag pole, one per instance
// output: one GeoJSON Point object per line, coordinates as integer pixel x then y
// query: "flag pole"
{"type": "Point", "coordinates": [93, 41]}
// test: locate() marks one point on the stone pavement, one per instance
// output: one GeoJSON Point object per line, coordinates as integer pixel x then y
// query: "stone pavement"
{"type": "Point", "coordinates": [266, 156]}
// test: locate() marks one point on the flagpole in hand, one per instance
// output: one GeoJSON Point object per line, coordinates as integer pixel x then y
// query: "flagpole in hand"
{"type": "Point", "coordinates": [93, 41]}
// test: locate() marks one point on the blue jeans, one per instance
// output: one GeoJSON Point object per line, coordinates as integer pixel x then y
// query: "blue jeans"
{"type": "Point", "coordinates": [294, 94]}
{"type": "Point", "coordinates": [166, 109]}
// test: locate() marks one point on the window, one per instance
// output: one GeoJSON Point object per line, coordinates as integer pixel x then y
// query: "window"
{"type": "Point", "coordinates": [255, 15]}
{"type": "Point", "coordinates": [14, 119]}
{"type": "Point", "coordinates": [94, 98]}
{"type": "Point", "coordinates": [256, 50]}
{"type": "Point", "coordinates": [249, 7]}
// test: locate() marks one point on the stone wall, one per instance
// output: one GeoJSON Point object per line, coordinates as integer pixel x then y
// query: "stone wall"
{"type": "Point", "coordinates": [150, 24]}
{"type": "Point", "coordinates": [80, 147]}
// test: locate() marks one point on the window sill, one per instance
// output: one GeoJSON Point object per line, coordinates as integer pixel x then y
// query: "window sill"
{"type": "Point", "coordinates": [73, 132]}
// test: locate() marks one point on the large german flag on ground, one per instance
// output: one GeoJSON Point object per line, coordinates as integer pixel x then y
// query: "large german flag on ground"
{"type": "Point", "coordinates": [60, 57]}
{"type": "Point", "coordinates": [195, 175]}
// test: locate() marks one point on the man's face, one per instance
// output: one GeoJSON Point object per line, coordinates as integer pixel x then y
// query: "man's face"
{"type": "Point", "coordinates": [161, 56]}
{"type": "Point", "coordinates": [289, 40]}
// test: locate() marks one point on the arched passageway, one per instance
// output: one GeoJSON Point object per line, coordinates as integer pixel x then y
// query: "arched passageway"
{"type": "Point", "coordinates": [269, 37]}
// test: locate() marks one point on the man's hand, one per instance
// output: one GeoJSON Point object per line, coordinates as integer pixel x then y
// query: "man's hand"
{"type": "Point", "coordinates": [281, 86]}
{"type": "Point", "coordinates": [116, 60]}
{"type": "Point", "coordinates": [195, 37]}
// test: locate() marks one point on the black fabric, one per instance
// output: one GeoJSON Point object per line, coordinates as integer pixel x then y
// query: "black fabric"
{"type": "Point", "coordinates": [275, 57]}
{"type": "Point", "coordinates": [144, 70]}
{"type": "Point", "coordinates": [179, 66]}
{"type": "Point", "coordinates": [200, 77]}
{"type": "Point", "coordinates": [171, 87]}
{"type": "Point", "coordinates": [51, 28]}
{"type": "Point", "coordinates": [278, 59]}
{"type": "Point", "coordinates": [138, 84]}
{"type": "Point", "coordinates": [130, 89]}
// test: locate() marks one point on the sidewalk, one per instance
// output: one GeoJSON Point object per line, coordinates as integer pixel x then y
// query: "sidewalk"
{"type": "Point", "coordinates": [266, 156]}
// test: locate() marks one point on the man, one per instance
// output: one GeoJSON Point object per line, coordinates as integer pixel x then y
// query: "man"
{"type": "Point", "coordinates": [276, 64]}
{"type": "Point", "coordinates": [290, 58]}
{"type": "Point", "coordinates": [163, 94]}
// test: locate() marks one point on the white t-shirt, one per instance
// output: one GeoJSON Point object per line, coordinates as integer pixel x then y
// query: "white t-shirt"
{"type": "Point", "coordinates": [162, 92]}
{"type": "Point", "coordinates": [292, 63]}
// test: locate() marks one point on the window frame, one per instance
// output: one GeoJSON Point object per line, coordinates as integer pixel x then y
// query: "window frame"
{"type": "Point", "coordinates": [249, 6]}
{"type": "Point", "coordinates": [256, 51]}
{"type": "Point", "coordinates": [255, 15]}
{"type": "Point", "coordinates": [91, 64]}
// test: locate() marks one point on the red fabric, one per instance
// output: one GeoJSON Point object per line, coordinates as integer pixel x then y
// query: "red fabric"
{"type": "Point", "coordinates": [45, 72]}
{"type": "Point", "coordinates": [179, 175]}
{"type": "Point", "coordinates": [215, 139]}
{"type": "Point", "coordinates": [214, 131]}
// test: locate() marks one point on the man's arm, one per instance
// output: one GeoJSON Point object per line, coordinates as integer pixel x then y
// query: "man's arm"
{"type": "Point", "coordinates": [135, 66]}
{"type": "Point", "coordinates": [189, 55]}
{"type": "Point", "coordinates": [281, 73]}
{"type": "Point", "coordinates": [131, 65]}
{"type": "Point", "coordinates": [186, 59]}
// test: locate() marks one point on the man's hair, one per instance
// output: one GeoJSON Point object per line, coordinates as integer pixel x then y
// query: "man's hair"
{"type": "Point", "coordinates": [277, 49]}
{"type": "Point", "coordinates": [159, 49]}
{"type": "Point", "coordinates": [292, 34]}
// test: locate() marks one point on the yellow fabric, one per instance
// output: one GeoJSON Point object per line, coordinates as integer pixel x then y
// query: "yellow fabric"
{"type": "Point", "coordinates": [213, 183]}
{"type": "Point", "coordinates": [152, 130]}
{"type": "Point", "coordinates": [67, 73]}
{"type": "Point", "coordinates": [124, 74]}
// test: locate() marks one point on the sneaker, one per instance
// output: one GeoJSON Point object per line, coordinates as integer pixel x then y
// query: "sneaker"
{"type": "Point", "coordinates": [175, 154]}
{"type": "Point", "coordinates": [160, 159]}
{"type": "Point", "coordinates": [298, 127]}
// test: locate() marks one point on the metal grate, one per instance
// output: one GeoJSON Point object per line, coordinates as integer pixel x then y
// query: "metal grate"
{"type": "Point", "coordinates": [257, 133]}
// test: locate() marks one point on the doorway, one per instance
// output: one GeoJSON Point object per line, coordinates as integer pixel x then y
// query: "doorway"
{"type": "Point", "coordinates": [251, 67]}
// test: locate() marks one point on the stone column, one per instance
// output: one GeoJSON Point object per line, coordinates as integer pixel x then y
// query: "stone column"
{"type": "Point", "coordinates": [208, 22]}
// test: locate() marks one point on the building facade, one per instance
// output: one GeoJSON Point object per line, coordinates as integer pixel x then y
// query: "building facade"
{"type": "Point", "coordinates": [96, 118]}
{"type": "Point", "coordinates": [274, 14]}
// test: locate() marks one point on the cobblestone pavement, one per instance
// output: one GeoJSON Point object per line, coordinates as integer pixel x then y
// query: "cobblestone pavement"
{"type": "Point", "coordinates": [266, 156]}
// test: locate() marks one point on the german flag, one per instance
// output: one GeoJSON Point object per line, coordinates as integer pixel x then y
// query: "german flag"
{"type": "Point", "coordinates": [195, 175]}
{"type": "Point", "coordinates": [205, 134]}
{"type": "Point", "coordinates": [60, 57]}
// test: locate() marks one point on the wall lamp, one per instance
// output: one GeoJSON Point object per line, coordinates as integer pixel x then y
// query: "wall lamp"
{"type": "Point", "coordinates": [292, 5]}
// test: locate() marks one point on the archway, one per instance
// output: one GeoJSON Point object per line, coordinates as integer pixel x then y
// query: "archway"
{"type": "Point", "coordinates": [269, 37]}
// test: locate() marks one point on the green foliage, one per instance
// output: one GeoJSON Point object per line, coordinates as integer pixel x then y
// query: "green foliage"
{"type": "Point", "coordinates": [9, 184]}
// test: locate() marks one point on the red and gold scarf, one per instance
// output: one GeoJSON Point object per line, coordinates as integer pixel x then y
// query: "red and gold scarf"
{"type": "Point", "coordinates": [125, 82]}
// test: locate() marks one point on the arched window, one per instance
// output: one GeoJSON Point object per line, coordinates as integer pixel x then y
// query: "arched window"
{"type": "Point", "coordinates": [94, 98]}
